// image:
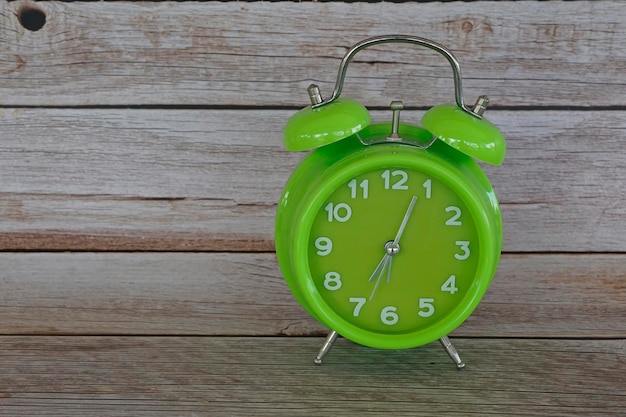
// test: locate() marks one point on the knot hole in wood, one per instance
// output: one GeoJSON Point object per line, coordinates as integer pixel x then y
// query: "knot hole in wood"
{"type": "Point", "coordinates": [31, 18]}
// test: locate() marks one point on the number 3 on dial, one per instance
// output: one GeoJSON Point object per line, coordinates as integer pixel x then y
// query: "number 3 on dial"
{"type": "Point", "coordinates": [465, 250]}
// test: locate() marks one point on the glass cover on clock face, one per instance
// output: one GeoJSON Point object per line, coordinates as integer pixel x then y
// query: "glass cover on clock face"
{"type": "Point", "coordinates": [393, 250]}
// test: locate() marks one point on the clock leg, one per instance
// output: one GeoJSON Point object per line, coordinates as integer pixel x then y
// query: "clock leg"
{"type": "Point", "coordinates": [328, 344]}
{"type": "Point", "coordinates": [451, 351]}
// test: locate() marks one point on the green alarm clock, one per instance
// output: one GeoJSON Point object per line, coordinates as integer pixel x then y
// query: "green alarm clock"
{"type": "Point", "coordinates": [390, 233]}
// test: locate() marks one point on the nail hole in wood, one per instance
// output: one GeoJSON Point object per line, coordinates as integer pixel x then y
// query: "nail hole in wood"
{"type": "Point", "coordinates": [31, 18]}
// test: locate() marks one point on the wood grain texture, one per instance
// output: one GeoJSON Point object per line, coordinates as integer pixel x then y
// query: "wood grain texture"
{"type": "Point", "coordinates": [244, 294]}
{"type": "Point", "coordinates": [258, 54]}
{"type": "Point", "coordinates": [140, 166]}
{"type": "Point", "coordinates": [112, 376]}
{"type": "Point", "coordinates": [85, 179]}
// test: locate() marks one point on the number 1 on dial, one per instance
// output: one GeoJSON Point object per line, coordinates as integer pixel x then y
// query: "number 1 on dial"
{"type": "Point", "coordinates": [428, 187]}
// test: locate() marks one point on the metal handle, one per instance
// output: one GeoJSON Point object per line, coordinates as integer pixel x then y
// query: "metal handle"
{"type": "Point", "coordinates": [456, 68]}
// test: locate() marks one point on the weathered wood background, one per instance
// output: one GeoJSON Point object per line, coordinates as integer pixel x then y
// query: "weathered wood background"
{"type": "Point", "coordinates": [141, 161]}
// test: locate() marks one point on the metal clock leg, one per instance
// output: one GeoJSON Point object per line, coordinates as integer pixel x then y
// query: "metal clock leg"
{"type": "Point", "coordinates": [328, 344]}
{"type": "Point", "coordinates": [451, 351]}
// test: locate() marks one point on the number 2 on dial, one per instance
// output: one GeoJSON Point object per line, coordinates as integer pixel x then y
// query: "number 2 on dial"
{"type": "Point", "coordinates": [454, 220]}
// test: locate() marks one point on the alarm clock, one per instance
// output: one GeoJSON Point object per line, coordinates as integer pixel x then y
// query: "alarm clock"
{"type": "Point", "coordinates": [389, 233]}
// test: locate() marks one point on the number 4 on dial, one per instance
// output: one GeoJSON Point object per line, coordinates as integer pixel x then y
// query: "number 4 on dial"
{"type": "Point", "coordinates": [450, 285]}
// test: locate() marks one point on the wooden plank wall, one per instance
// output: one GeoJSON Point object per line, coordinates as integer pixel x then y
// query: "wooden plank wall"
{"type": "Point", "coordinates": [141, 161]}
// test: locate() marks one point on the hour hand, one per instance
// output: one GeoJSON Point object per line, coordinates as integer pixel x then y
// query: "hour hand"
{"type": "Point", "coordinates": [378, 273]}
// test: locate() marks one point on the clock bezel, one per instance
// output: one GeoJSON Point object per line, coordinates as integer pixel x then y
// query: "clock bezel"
{"type": "Point", "coordinates": [390, 155]}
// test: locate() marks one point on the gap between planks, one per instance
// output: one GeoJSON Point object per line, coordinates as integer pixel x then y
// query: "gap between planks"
{"type": "Point", "coordinates": [124, 180]}
{"type": "Point", "coordinates": [244, 294]}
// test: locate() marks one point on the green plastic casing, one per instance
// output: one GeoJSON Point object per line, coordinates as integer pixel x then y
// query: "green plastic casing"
{"type": "Point", "coordinates": [312, 128]}
{"type": "Point", "coordinates": [332, 166]}
{"type": "Point", "coordinates": [315, 127]}
{"type": "Point", "coordinates": [474, 136]}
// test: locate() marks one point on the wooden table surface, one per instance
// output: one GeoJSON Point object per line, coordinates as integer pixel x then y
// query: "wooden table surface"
{"type": "Point", "coordinates": [141, 162]}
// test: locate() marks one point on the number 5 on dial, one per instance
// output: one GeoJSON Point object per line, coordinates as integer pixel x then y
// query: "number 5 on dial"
{"type": "Point", "coordinates": [427, 307]}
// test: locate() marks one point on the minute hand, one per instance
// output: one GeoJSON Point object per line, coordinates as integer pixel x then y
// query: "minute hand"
{"type": "Point", "coordinates": [405, 220]}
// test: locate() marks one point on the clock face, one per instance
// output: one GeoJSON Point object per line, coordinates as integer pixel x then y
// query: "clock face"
{"type": "Point", "coordinates": [393, 251]}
